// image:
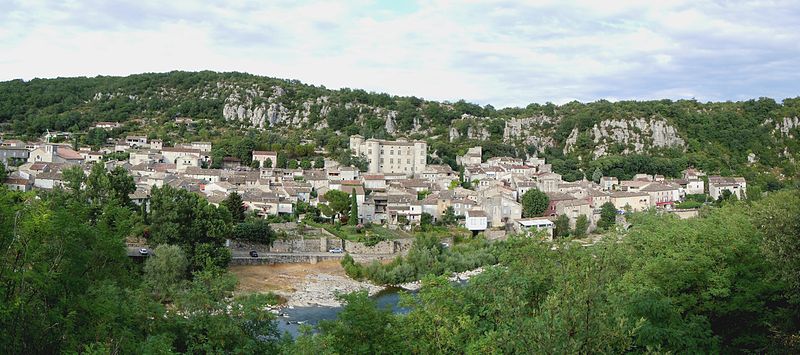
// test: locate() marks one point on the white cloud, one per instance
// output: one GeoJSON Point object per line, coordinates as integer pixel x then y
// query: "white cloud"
{"type": "Point", "coordinates": [487, 52]}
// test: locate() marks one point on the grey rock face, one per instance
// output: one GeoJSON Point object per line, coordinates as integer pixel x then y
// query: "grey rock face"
{"type": "Point", "coordinates": [390, 125]}
{"type": "Point", "coordinates": [635, 135]}
{"type": "Point", "coordinates": [787, 124]}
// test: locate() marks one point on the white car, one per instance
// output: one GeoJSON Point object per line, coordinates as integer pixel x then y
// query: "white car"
{"type": "Point", "coordinates": [336, 250]}
{"type": "Point", "coordinates": [144, 251]}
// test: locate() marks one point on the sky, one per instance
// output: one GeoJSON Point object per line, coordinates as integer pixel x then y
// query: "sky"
{"type": "Point", "coordinates": [502, 53]}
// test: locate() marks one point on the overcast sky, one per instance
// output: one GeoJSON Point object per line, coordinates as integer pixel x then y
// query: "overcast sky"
{"type": "Point", "coordinates": [499, 53]}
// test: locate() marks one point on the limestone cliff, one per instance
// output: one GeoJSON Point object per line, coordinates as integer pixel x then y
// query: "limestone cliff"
{"type": "Point", "coordinates": [633, 136]}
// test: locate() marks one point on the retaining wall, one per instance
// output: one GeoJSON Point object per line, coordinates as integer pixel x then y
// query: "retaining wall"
{"type": "Point", "coordinates": [285, 259]}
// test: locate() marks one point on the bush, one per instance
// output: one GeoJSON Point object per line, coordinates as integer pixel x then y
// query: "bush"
{"type": "Point", "coordinates": [426, 257]}
{"type": "Point", "coordinates": [256, 231]}
{"type": "Point", "coordinates": [689, 204]}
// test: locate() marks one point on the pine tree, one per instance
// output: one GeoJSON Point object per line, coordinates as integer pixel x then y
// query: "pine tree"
{"type": "Point", "coordinates": [562, 226]}
{"type": "Point", "coordinates": [235, 205]}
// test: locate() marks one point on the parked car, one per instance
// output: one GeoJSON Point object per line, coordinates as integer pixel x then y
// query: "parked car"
{"type": "Point", "coordinates": [144, 251]}
{"type": "Point", "coordinates": [253, 254]}
{"type": "Point", "coordinates": [336, 250]}
{"type": "Point", "coordinates": [445, 245]}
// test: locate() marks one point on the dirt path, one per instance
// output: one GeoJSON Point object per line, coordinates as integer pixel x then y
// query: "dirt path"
{"type": "Point", "coordinates": [282, 277]}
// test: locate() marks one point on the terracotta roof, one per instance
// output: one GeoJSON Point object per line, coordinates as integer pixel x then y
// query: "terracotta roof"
{"type": "Point", "coordinates": [616, 194]}
{"type": "Point", "coordinates": [17, 181]}
{"type": "Point", "coordinates": [263, 152]}
{"type": "Point", "coordinates": [476, 213]}
{"type": "Point", "coordinates": [180, 150]}
{"type": "Point", "coordinates": [68, 153]}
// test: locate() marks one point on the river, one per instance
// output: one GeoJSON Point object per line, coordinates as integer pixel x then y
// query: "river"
{"type": "Point", "coordinates": [293, 318]}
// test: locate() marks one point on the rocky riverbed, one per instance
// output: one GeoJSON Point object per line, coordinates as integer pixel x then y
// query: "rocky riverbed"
{"type": "Point", "coordinates": [457, 276]}
{"type": "Point", "coordinates": [304, 285]}
{"type": "Point", "coordinates": [321, 290]}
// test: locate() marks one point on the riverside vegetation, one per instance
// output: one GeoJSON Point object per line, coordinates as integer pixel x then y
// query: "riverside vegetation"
{"type": "Point", "coordinates": [723, 282]}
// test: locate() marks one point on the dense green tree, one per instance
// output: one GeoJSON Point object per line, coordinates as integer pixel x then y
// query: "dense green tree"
{"type": "Point", "coordinates": [256, 230]}
{"type": "Point", "coordinates": [282, 162]}
{"type": "Point", "coordinates": [608, 216]}
{"type": "Point", "coordinates": [319, 163]}
{"type": "Point", "coordinates": [122, 185]}
{"type": "Point", "coordinates": [778, 218]}
{"type": "Point", "coordinates": [73, 177]}
{"type": "Point", "coordinates": [165, 268]}
{"type": "Point", "coordinates": [449, 217]}
{"type": "Point", "coordinates": [3, 172]}
{"type": "Point", "coordinates": [426, 220]}
{"type": "Point", "coordinates": [305, 164]}
{"type": "Point", "coordinates": [534, 203]}
{"type": "Point", "coordinates": [581, 226]}
{"type": "Point", "coordinates": [235, 206]}
{"type": "Point", "coordinates": [183, 218]}
{"type": "Point", "coordinates": [361, 327]}
{"type": "Point", "coordinates": [338, 201]}
{"type": "Point", "coordinates": [597, 175]}
{"type": "Point", "coordinates": [562, 226]}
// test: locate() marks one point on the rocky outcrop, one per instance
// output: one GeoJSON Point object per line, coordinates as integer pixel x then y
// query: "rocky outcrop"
{"type": "Point", "coordinates": [454, 134]}
{"type": "Point", "coordinates": [520, 127]}
{"type": "Point", "coordinates": [478, 133]}
{"type": "Point", "coordinates": [634, 135]}
{"type": "Point", "coordinates": [571, 140]}
{"type": "Point", "coordinates": [390, 125]}
{"type": "Point", "coordinates": [531, 131]}
{"type": "Point", "coordinates": [242, 107]}
{"type": "Point", "coordinates": [785, 126]}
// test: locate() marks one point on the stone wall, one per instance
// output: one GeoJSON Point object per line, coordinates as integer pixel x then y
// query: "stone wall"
{"type": "Point", "coordinates": [321, 245]}
{"type": "Point", "coordinates": [284, 259]}
{"type": "Point", "coordinates": [685, 214]}
{"type": "Point", "coordinates": [384, 247]}
{"type": "Point", "coordinates": [307, 259]}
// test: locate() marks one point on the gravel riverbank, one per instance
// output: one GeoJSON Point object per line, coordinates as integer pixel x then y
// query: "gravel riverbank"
{"type": "Point", "coordinates": [304, 285]}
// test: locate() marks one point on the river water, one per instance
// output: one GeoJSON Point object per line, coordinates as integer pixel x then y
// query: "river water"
{"type": "Point", "coordinates": [292, 319]}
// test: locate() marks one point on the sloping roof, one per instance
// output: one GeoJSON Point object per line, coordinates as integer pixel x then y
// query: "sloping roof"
{"type": "Point", "coordinates": [68, 153]}
{"type": "Point", "coordinates": [618, 194]}
{"type": "Point", "coordinates": [264, 152]}
{"type": "Point", "coordinates": [558, 196]}
{"type": "Point", "coordinates": [476, 213]}
{"type": "Point", "coordinates": [658, 187]}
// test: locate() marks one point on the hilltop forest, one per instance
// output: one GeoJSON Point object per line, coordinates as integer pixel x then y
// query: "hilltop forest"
{"type": "Point", "coordinates": [240, 112]}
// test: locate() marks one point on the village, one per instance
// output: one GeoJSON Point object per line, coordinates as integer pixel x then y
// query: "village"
{"type": "Point", "coordinates": [398, 188]}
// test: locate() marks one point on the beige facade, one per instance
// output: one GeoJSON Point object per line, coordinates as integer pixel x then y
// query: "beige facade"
{"type": "Point", "coordinates": [472, 157]}
{"type": "Point", "coordinates": [263, 156]}
{"type": "Point", "coordinates": [636, 201]}
{"type": "Point", "coordinates": [401, 157]}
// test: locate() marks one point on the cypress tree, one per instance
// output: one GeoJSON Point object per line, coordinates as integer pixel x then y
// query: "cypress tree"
{"type": "Point", "coordinates": [353, 220]}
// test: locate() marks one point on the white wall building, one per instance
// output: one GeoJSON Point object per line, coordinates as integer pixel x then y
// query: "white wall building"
{"type": "Point", "coordinates": [403, 157]}
{"type": "Point", "coordinates": [477, 220]}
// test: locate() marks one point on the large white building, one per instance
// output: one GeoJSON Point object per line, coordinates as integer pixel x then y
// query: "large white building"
{"type": "Point", "coordinates": [391, 157]}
